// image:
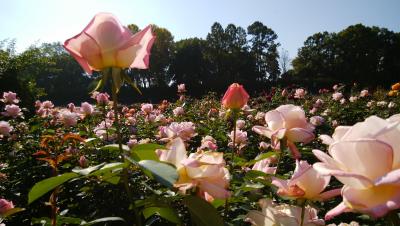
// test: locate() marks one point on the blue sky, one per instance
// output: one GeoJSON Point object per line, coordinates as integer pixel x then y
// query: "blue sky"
{"type": "Point", "coordinates": [30, 21]}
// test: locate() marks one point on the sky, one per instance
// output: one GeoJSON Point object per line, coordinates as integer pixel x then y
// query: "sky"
{"type": "Point", "coordinates": [36, 21]}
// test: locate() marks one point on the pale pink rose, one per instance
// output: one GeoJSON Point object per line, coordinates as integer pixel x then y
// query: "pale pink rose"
{"type": "Point", "coordinates": [337, 96]}
{"type": "Point", "coordinates": [12, 111]}
{"type": "Point", "coordinates": [147, 108]}
{"type": "Point", "coordinates": [335, 123]}
{"type": "Point", "coordinates": [263, 166]}
{"type": "Point", "coordinates": [131, 143]}
{"type": "Point", "coordinates": [47, 104]}
{"type": "Point", "coordinates": [102, 130]}
{"type": "Point", "coordinates": [5, 205]}
{"type": "Point", "coordinates": [38, 104]}
{"type": "Point", "coordinates": [208, 143]}
{"type": "Point", "coordinates": [353, 99]}
{"type": "Point", "coordinates": [86, 108]}
{"type": "Point", "coordinates": [181, 88]}
{"type": "Point", "coordinates": [105, 43]}
{"type": "Point", "coordinates": [318, 103]}
{"type": "Point", "coordinates": [317, 120]}
{"type": "Point", "coordinates": [240, 124]}
{"type": "Point", "coordinates": [151, 117]}
{"type": "Point", "coordinates": [71, 107]}
{"type": "Point", "coordinates": [110, 115]}
{"type": "Point", "coordinates": [364, 93]}
{"type": "Point", "coordinates": [204, 170]}
{"type": "Point", "coordinates": [5, 128]}
{"type": "Point", "coordinates": [282, 215]}
{"type": "Point", "coordinates": [260, 116]}
{"type": "Point", "coordinates": [9, 98]}
{"type": "Point", "coordinates": [102, 98]}
{"type": "Point", "coordinates": [391, 104]}
{"type": "Point", "coordinates": [365, 157]}
{"type": "Point", "coordinates": [178, 111]}
{"type": "Point", "coordinates": [305, 183]}
{"type": "Point", "coordinates": [300, 94]}
{"type": "Point", "coordinates": [240, 138]}
{"type": "Point", "coordinates": [342, 101]}
{"type": "Point", "coordinates": [335, 87]}
{"type": "Point", "coordinates": [161, 118]}
{"type": "Point", "coordinates": [68, 118]}
{"type": "Point", "coordinates": [287, 121]}
{"type": "Point", "coordinates": [184, 130]}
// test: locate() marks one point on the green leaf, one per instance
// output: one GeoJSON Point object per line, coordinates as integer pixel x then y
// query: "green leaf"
{"type": "Point", "coordinates": [88, 170]}
{"type": "Point", "coordinates": [164, 212]}
{"type": "Point", "coordinates": [130, 82]}
{"type": "Point", "coordinates": [46, 185]}
{"type": "Point", "coordinates": [261, 157]}
{"type": "Point", "coordinates": [117, 79]}
{"type": "Point", "coordinates": [162, 172]}
{"type": "Point", "coordinates": [110, 167]}
{"type": "Point", "coordinates": [11, 212]}
{"type": "Point", "coordinates": [115, 148]}
{"type": "Point", "coordinates": [105, 219]}
{"type": "Point", "coordinates": [145, 152]}
{"type": "Point", "coordinates": [203, 213]}
{"type": "Point", "coordinates": [103, 81]}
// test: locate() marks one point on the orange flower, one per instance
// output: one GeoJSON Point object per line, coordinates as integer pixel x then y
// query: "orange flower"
{"type": "Point", "coordinates": [396, 86]}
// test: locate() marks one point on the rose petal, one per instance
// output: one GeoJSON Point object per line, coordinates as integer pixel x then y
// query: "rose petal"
{"type": "Point", "coordinates": [361, 157]}
{"type": "Point", "coordinates": [339, 209]}
{"type": "Point", "coordinates": [299, 135]}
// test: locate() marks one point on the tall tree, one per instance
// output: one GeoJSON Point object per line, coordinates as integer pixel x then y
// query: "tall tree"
{"type": "Point", "coordinates": [265, 49]}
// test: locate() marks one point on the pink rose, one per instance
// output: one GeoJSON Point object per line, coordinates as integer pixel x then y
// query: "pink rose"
{"type": "Point", "coordinates": [181, 88]}
{"type": "Point", "coordinates": [86, 108]}
{"type": "Point", "coordinates": [365, 157]}
{"type": "Point", "coordinates": [208, 143]}
{"type": "Point", "coordinates": [106, 43]}
{"type": "Point", "coordinates": [178, 111]}
{"type": "Point", "coordinates": [9, 98]}
{"type": "Point", "coordinates": [337, 96]}
{"type": "Point", "coordinates": [282, 215]}
{"type": "Point", "coordinates": [68, 118]}
{"type": "Point", "coordinates": [5, 205]}
{"type": "Point", "coordinates": [364, 93]}
{"type": "Point", "coordinates": [263, 166]}
{"type": "Point", "coordinates": [102, 98]}
{"type": "Point", "coordinates": [287, 121]}
{"type": "Point", "coordinates": [240, 124]}
{"type": "Point", "coordinates": [235, 97]}
{"type": "Point", "coordinates": [12, 111]}
{"type": "Point", "coordinates": [5, 128]}
{"type": "Point", "coordinates": [205, 170]}
{"type": "Point", "coordinates": [317, 120]}
{"type": "Point", "coordinates": [299, 93]}
{"type": "Point", "coordinates": [147, 108]}
{"type": "Point", "coordinates": [305, 183]}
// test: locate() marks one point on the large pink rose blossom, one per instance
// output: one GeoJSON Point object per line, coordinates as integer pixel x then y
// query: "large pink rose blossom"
{"type": "Point", "coordinates": [184, 130]}
{"type": "Point", "coordinates": [205, 170]}
{"type": "Point", "coordinates": [12, 111]}
{"type": "Point", "coordinates": [86, 109]}
{"type": "Point", "coordinates": [287, 121]}
{"type": "Point", "coordinates": [366, 159]}
{"type": "Point", "coordinates": [106, 43]}
{"type": "Point", "coordinates": [300, 94]}
{"type": "Point", "coordinates": [305, 183]}
{"type": "Point", "coordinates": [272, 214]}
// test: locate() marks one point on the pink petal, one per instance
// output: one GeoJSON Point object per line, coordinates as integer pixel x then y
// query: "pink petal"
{"type": "Point", "coordinates": [86, 51]}
{"type": "Point", "coordinates": [212, 188]}
{"type": "Point", "coordinates": [263, 131]}
{"type": "Point", "coordinates": [340, 131]}
{"type": "Point", "coordinates": [147, 39]}
{"type": "Point", "coordinates": [274, 120]}
{"type": "Point", "coordinates": [326, 139]}
{"type": "Point", "coordinates": [175, 153]}
{"type": "Point", "coordinates": [339, 209]}
{"type": "Point", "coordinates": [392, 178]}
{"type": "Point", "coordinates": [293, 149]}
{"type": "Point", "coordinates": [361, 157]}
{"type": "Point", "coordinates": [300, 135]}
{"type": "Point", "coordinates": [376, 201]}
{"type": "Point", "coordinates": [330, 194]}
{"type": "Point", "coordinates": [294, 116]}
{"type": "Point", "coordinates": [322, 156]}
{"type": "Point", "coordinates": [351, 179]}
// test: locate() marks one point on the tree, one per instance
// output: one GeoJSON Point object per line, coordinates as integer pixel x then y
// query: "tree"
{"type": "Point", "coordinates": [284, 60]}
{"type": "Point", "coordinates": [265, 50]}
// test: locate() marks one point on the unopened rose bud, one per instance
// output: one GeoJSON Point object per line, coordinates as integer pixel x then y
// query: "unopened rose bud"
{"type": "Point", "coordinates": [235, 97]}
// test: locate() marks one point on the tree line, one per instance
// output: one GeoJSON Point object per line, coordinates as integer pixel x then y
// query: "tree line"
{"type": "Point", "coordinates": [369, 56]}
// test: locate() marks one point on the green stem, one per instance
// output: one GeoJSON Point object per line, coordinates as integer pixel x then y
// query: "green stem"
{"type": "Point", "coordinates": [230, 163]}
{"type": "Point", "coordinates": [303, 208]}
{"type": "Point", "coordinates": [119, 139]}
